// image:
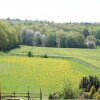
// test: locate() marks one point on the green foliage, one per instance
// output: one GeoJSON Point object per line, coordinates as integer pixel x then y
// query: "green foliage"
{"type": "Point", "coordinates": [98, 34]}
{"type": "Point", "coordinates": [50, 96]}
{"type": "Point", "coordinates": [68, 92]}
{"type": "Point", "coordinates": [54, 96]}
{"type": "Point", "coordinates": [38, 39]}
{"type": "Point", "coordinates": [91, 44]}
{"type": "Point", "coordinates": [70, 39]}
{"type": "Point", "coordinates": [85, 32]}
{"type": "Point", "coordinates": [90, 38]}
{"type": "Point", "coordinates": [44, 56]}
{"type": "Point", "coordinates": [87, 82]}
{"type": "Point", "coordinates": [92, 92]}
{"type": "Point", "coordinates": [30, 54]}
{"type": "Point", "coordinates": [62, 40]}
{"type": "Point", "coordinates": [78, 93]}
{"type": "Point", "coordinates": [97, 94]}
{"type": "Point", "coordinates": [98, 42]}
{"type": "Point", "coordinates": [51, 40]}
{"type": "Point", "coordinates": [1, 53]}
{"type": "Point", "coordinates": [99, 90]}
{"type": "Point", "coordinates": [75, 40]}
{"type": "Point", "coordinates": [3, 40]}
{"type": "Point", "coordinates": [9, 37]}
{"type": "Point", "coordinates": [27, 36]}
{"type": "Point", "coordinates": [48, 34]}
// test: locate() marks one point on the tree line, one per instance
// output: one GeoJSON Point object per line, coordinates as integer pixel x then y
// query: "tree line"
{"type": "Point", "coordinates": [15, 32]}
{"type": "Point", "coordinates": [61, 39]}
{"type": "Point", "coordinates": [9, 36]}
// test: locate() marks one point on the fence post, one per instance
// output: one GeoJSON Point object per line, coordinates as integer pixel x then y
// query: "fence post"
{"type": "Point", "coordinates": [0, 90]}
{"type": "Point", "coordinates": [28, 94]}
{"type": "Point", "coordinates": [14, 94]}
{"type": "Point", "coordinates": [40, 94]}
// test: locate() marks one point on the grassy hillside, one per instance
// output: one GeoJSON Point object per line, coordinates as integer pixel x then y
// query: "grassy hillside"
{"type": "Point", "coordinates": [16, 73]}
{"type": "Point", "coordinates": [89, 55]}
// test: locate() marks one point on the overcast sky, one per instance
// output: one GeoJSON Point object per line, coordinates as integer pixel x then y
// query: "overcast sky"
{"type": "Point", "coordinates": [52, 10]}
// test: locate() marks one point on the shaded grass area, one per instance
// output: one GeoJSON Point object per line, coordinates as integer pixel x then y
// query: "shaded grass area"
{"type": "Point", "coordinates": [16, 73]}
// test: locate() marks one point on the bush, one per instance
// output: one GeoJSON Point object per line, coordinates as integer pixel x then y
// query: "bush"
{"type": "Point", "coordinates": [97, 94]}
{"type": "Point", "coordinates": [68, 92]}
{"type": "Point", "coordinates": [50, 96]}
{"type": "Point", "coordinates": [44, 56]}
{"type": "Point", "coordinates": [54, 96]}
{"type": "Point", "coordinates": [87, 82]}
{"type": "Point", "coordinates": [78, 93]}
{"type": "Point", "coordinates": [91, 44]}
{"type": "Point", "coordinates": [30, 54]}
{"type": "Point", "coordinates": [1, 53]}
{"type": "Point", "coordinates": [92, 92]}
{"type": "Point", "coordinates": [99, 90]}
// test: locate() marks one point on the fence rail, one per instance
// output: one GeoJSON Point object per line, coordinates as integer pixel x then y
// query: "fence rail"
{"type": "Point", "coordinates": [28, 95]}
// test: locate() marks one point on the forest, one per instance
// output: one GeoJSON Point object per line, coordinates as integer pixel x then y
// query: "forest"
{"type": "Point", "coordinates": [15, 32]}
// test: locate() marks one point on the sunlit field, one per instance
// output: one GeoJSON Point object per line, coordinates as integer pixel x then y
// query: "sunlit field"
{"type": "Point", "coordinates": [89, 55]}
{"type": "Point", "coordinates": [16, 73]}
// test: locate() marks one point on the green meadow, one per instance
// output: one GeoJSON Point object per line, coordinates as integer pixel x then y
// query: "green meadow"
{"type": "Point", "coordinates": [16, 73]}
{"type": "Point", "coordinates": [89, 55]}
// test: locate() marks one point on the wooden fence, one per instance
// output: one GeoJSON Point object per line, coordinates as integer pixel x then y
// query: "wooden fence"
{"type": "Point", "coordinates": [26, 95]}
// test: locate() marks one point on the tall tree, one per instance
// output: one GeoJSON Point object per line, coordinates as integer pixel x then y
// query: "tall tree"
{"type": "Point", "coordinates": [62, 40]}
{"type": "Point", "coordinates": [38, 39]}
{"type": "Point", "coordinates": [3, 40]}
{"type": "Point", "coordinates": [51, 40]}
{"type": "Point", "coordinates": [85, 32]}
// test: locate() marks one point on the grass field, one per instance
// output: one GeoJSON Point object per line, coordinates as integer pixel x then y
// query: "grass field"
{"type": "Point", "coordinates": [89, 55]}
{"type": "Point", "coordinates": [16, 73]}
